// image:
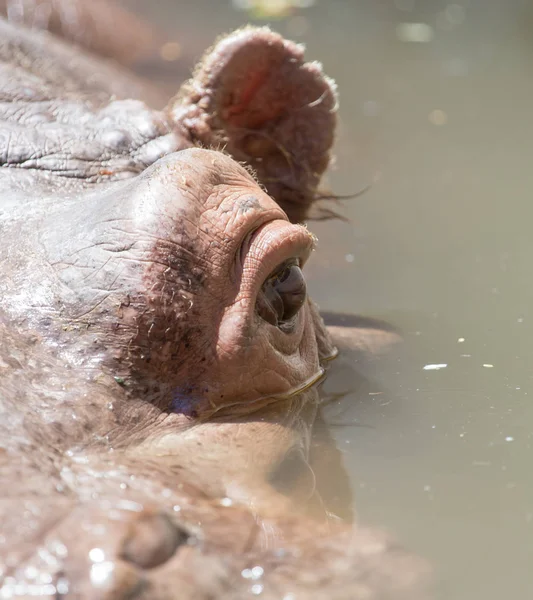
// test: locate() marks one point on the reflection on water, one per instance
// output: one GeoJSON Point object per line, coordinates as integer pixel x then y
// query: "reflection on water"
{"type": "Point", "coordinates": [435, 112]}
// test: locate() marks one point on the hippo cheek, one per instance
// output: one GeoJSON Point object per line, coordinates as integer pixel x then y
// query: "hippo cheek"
{"type": "Point", "coordinates": [258, 460]}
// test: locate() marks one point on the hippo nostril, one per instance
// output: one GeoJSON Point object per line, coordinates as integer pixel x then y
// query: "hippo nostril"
{"type": "Point", "coordinates": [283, 294]}
{"type": "Point", "coordinates": [151, 540]}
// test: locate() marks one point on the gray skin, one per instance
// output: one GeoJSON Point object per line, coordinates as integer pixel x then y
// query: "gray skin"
{"type": "Point", "coordinates": [150, 393]}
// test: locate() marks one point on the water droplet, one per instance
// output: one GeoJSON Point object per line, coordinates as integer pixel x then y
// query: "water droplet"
{"type": "Point", "coordinates": [460, 340]}
{"type": "Point", "coordinates": [30, 572]}
{"type": "Point", "coordinates": [62, 586]}
{"type": "Point", "coordinates": [435, 367]}
{"type": "Point", "coordinates": [226, 501]}
{"type": "Point", "coordinates": [97, 555]}
{"type": "Point", "coordinates": [257, 589]}
{"type": "Point", "coordinates": [44, 578]}
{"type": "Point", "coordinates": [509, 438]}
{"type": "Point", "coordinates": [488, 366]}
{"type": "Point", "coordinates": [257, 572]}
{"type": "Point", "coordinates": [349, 258]}
{"type": "Point", "coordinates": [58, 548]}
{"type": "Point", "coordinates": [101, 573]}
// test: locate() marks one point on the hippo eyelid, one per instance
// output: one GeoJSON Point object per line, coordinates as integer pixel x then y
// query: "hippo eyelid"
{"type": "Point", "coordinates": [244, 247]}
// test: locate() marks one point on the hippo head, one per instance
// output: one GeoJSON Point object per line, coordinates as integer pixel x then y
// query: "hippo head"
{"type": "Point", "coordinates": [159, 351]}
{"type": "Point", "coordinates": [160, 253]}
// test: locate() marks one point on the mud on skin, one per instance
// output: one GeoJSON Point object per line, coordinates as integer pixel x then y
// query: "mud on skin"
{"type": "Point", "coordinates": [159, 355]}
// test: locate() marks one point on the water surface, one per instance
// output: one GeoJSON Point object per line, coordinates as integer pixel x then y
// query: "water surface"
{"type": "Point", "coordinates": [436, 113]}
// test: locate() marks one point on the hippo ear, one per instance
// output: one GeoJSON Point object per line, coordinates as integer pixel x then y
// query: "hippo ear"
{"type": "Point", "coordinates": [255, 97]}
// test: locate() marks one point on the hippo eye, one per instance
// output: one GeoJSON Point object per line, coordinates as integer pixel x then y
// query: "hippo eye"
{"type": "Point", "coordinates": [282, 295]}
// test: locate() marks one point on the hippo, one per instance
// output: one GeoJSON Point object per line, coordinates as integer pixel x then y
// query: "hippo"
{"type": "Point", "coordinates": [160, 358]}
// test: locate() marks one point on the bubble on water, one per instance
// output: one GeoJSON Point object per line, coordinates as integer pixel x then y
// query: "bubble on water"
{"type": "Point", "coordinates": [176, 508]}
{"type": "Point", "coordinates": [257, 589]}
{"type": "Point", "coordinates": [226, 501]}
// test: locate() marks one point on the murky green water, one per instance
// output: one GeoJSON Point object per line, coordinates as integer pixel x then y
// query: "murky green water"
{"type": "Point", "coordinates": [441, 247]}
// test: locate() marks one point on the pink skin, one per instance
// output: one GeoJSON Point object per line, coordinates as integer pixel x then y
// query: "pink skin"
{"type": "Point", "coordinates": [148, 407]}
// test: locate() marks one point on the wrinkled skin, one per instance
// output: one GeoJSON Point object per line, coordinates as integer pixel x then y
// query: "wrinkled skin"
{"type": "Point", "coordinates": [148, 406]}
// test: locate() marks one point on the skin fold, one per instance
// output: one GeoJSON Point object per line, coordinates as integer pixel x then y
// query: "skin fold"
{"type": "Point", "coordinates": [155, 431]}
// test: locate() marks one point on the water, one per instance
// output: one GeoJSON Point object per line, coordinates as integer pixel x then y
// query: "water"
{"type": "Point", "coordinates": [436, 113]}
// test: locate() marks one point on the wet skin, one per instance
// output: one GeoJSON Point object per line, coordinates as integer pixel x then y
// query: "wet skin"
{"type": "Point", "coordinates": [159, 355]}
